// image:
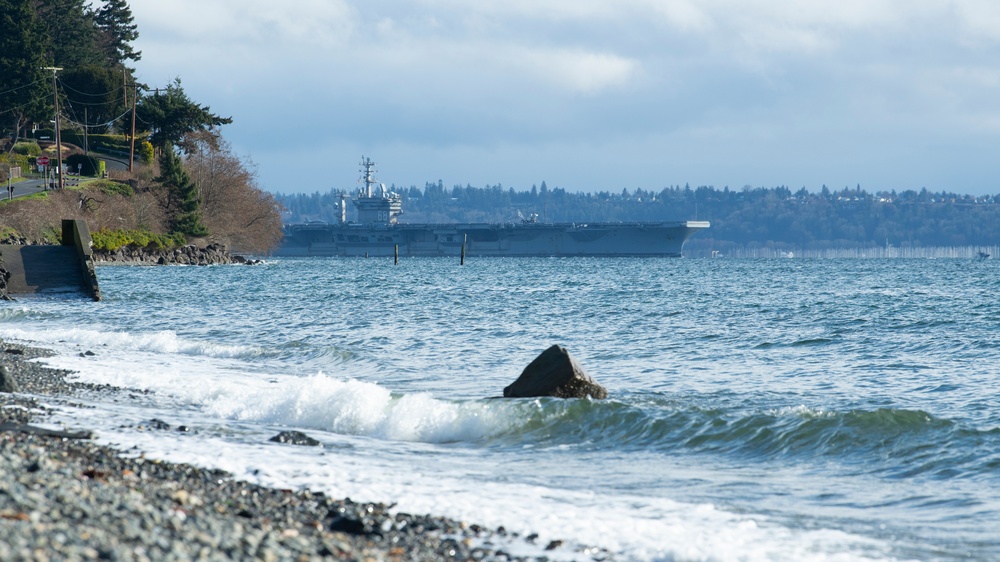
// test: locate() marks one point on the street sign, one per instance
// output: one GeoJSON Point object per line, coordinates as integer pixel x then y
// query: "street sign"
{"type": "Point", "coordinates": [42, 160]}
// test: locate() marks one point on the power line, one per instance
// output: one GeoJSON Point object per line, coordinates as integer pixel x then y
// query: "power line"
{"type": "Point", "coordinates": [111, 122]}
{"type": "Point", "coordinates": [22, 87]}
{"type": "Point", "coordinates": [93, 104]}
{"type": "Point", "coordinates": [63, 84]}
{"type": "Point", "coordinates": [13, 109]}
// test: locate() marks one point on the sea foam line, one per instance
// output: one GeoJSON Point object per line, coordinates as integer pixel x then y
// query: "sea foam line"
{"type": "Point", "coordinates": [225, 390]}
{"type": "Point", "coordinates": [165, 341]}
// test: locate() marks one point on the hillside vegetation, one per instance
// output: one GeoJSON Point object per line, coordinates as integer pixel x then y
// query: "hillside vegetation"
{"type": "Point", "coordinates": [185, 185]}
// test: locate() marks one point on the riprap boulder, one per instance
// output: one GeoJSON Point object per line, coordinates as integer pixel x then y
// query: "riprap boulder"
{"type": "Point", "coordinates": [555, 373]}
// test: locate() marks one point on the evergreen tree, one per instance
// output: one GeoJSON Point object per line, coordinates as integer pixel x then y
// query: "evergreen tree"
{"type": "Point", "coordinates": [183, 201]}
{"type": "Point", "coordinates": [72, 35]}
{"type": "Point", "coordinates": [172, 116]}
{"type": "Point", "coordinates": [24, 90]}
{"type": "Point", "coordinates": [117, 32]}
{"type": "Point", "coordinates": [93, 93]}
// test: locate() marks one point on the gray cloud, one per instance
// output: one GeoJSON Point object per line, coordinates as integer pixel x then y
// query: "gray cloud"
{"type": "Point", "coordinates": [886, 93]}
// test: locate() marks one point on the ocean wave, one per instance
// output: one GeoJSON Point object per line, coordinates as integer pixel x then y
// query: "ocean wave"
{"type": "Point", "coordinates": [13, 312]}
{"type": "Point", "coordinates": [165, 341]}
{"type": "Point", "coordinates": [304, 352]}
{"type": "Point", "coordinates": [353, 407]}
{"type": "Point", "coordinates": [893, 442]}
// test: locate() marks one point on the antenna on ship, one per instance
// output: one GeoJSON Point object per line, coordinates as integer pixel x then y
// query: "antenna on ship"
{"type": "Point", "coordinates": [368, 174]}
{"type": "Point", "coordinates": [375, 203]}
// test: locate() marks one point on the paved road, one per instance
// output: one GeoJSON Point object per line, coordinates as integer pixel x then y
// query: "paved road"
{"type": "Point", "coordinates": [31, 186]}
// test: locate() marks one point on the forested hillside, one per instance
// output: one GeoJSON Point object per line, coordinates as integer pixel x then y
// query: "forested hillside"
{"type": "Point", "coordinates": [154, 168]}
{"type": "Point", "coordinates": [766, 217]}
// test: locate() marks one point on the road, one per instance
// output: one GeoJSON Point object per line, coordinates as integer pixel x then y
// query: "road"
{"type": "Point", "coordinates": [35, 185]}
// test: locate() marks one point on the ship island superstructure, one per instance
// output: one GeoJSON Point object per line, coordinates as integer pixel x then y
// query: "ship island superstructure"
{"type": "Point", "coordinates": [378, 232]}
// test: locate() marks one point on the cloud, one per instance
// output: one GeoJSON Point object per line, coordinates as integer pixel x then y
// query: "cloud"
{"type": "Point", "coordinates": [581, 71]}
{"type": "Point", "coordinates": [524, 76]}
{"type": "Point", "coordinates": [260, 21]}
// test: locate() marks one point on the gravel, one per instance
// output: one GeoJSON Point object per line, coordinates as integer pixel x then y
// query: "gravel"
{"type": "Point", "coordinates": [64, 498]}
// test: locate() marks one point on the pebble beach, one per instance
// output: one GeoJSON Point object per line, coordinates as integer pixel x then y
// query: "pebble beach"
{"type": "Point", "coordinates": [63, 497]}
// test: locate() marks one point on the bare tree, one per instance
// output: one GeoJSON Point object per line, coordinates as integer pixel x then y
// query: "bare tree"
{"type": "Point", "coordinates": [237, 212]}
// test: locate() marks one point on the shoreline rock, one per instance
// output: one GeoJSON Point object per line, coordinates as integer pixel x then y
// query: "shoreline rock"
{"type": "Point", "coordinates": [4, 277]}
{"type": "Point", "coordinates": [213, 254]}
{"type": "Point", "coordinates": [555, 373]}
{"type": "Point", "coordinates": [8, 384]}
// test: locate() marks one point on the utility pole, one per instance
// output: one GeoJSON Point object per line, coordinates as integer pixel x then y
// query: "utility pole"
{"type": "Point", "coordinates": [55, 94]}
{"type": "Point", "coordinates": [131, 148]}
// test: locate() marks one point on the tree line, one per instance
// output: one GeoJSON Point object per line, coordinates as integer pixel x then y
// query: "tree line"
{"type": "Point", "coordinates": [773, 217]}
{"type": "Point", "coordinates": [80, 53]}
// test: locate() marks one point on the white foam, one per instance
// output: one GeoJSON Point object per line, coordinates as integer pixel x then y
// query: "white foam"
{"type": "Point", "coordinates": [165, 341]}
{"type": "Point", "coordinates": [220, 390]}
{"type": "Point", "coordinates": [385, 447]}
{"type": "Point", "coordinates": [629, 526]}
{"type": "Point", "coordinates": [358, 408]}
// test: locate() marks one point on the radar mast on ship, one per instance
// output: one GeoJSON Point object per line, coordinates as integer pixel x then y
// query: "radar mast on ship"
{"type": "Point", "coordinates": [376, 205]}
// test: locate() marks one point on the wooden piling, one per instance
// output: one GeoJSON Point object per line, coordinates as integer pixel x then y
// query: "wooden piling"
{"type": "Point", "coordinates": [465, 238]}
{"type": "Point", "coordinates": [395, 260]}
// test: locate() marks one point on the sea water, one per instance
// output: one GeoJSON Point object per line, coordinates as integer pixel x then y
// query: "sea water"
{"type": "Point", "coordinates": [759, 409]}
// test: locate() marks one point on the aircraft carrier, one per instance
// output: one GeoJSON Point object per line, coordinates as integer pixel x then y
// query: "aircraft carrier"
{"type": "Point", "coordinates": [377, 232]}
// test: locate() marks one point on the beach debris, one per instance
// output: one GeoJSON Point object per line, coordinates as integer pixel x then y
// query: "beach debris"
{"type": "Point", "coordinates": [294, 438]}
{"type": "Point", "coordinates": [7, 382]}
{"type": "Point", "coordinates": [555, 373]}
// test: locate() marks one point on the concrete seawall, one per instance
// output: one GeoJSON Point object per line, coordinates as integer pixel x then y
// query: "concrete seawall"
{"type": "Point", "coordinates": [64, 269]}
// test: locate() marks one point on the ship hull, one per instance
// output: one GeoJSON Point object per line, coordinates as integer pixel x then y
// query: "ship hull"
{"type": "Point", "coordinates": [490, 240]}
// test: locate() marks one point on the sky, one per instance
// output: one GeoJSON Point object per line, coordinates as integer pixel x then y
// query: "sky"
{"type": "Point", "coordinates": [594, 95]}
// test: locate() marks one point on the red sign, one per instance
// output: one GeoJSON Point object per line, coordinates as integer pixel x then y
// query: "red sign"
{"type": "Point", "coordinates": [42, 160]}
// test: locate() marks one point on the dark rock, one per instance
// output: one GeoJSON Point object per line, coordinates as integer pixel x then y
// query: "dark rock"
{"type": "Point", "coordinates": [4, 277]}
{"type": "Point", "coordinates": [349, 525]}
{"type": "Point", "coordinates": [555, 373]}
{"type": "Point", "coordinates": [213, 254]}
{"type": "Point", "coordinates": [294, 438]}
{"type": "Point", "coordinates": [7, 382]}
{"type": "Point", "coordinates": [156, 424]}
